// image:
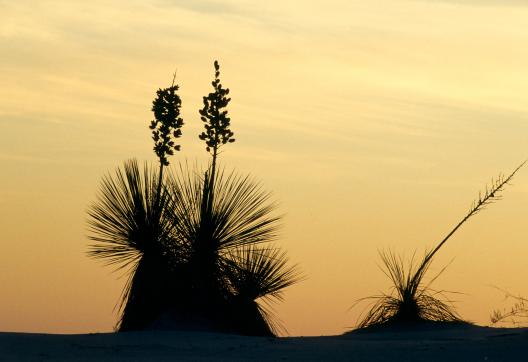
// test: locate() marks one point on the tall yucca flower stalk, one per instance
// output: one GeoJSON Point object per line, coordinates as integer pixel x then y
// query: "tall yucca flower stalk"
{"type": "Point", "coordinates": [166, 125]}
{"type": "Point", "coordinates": [216, 121]}
{"type": "Point", "coordinates": [214, 115]}
{"type": "Point", "coordinates": [411, 300]}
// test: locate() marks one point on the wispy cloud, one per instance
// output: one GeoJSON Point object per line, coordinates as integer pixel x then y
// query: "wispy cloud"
{"type": "Point", "coordinates": [204, 6]}
{"type": "Point", "coordinates": [483, 2]}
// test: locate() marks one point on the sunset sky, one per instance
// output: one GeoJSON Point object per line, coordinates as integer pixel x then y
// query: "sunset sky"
{"type": "Point", "coordinates": [374, 124]}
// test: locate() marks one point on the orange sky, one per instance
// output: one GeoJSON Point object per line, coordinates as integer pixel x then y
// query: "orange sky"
{"type": "Point", "coordinates": [375, 124]}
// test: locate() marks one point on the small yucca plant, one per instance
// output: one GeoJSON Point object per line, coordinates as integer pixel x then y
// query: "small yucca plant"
{"type": "Point", "coordinates": [411, 300]}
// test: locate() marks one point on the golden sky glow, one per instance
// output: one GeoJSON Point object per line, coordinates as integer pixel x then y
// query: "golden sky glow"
{"type": "Point", "coordinates": [374, 123]}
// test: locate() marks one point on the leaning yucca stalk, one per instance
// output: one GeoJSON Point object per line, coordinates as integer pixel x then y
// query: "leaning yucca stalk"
{"type": "Point", "coordinates": [490, 195]}
{"type": "Point", "coordinates": [413, 300]}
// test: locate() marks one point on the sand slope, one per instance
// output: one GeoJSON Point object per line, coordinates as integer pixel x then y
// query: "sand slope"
{"type": "Point", "coordinates": [461, 343]}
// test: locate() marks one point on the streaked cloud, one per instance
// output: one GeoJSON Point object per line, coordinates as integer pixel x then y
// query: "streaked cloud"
{"type": "Point", "coordinates": [204, 6]}
{"type": "Point", "coordinates": [483, 2]}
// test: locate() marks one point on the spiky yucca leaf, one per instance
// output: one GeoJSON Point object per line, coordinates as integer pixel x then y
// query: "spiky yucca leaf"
{"type": "Point", "coordinates": [125, 221]}
{"type": "Point", "coordinates": [411, 300]}
{"type": "Point", "coordinates": [261, 272]}
{"type": "Point", "coordinates": [241, 213]}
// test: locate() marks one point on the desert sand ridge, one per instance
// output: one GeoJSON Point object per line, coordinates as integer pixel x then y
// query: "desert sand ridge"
{"type": "Point", "coordinates": [441, 343]}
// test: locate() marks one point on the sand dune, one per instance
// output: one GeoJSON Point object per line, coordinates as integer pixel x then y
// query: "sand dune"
{"type": "Point", "coordinates": [441, 343]}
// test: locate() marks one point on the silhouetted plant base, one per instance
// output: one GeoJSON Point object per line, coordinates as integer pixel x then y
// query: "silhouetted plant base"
{"type": "Point", "coordinates": [232, 319]}
{"type": "Point", "coordinates": [152, 291]}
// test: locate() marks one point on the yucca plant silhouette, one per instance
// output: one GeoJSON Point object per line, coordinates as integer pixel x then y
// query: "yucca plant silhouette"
{"type": "Point", "coordinates": [198, 243]}
{"type": "Point", "coordinates": [412, 300]}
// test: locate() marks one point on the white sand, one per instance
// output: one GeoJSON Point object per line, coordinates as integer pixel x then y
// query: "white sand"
{"type": "Point", "coordinates": [461, 343]}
